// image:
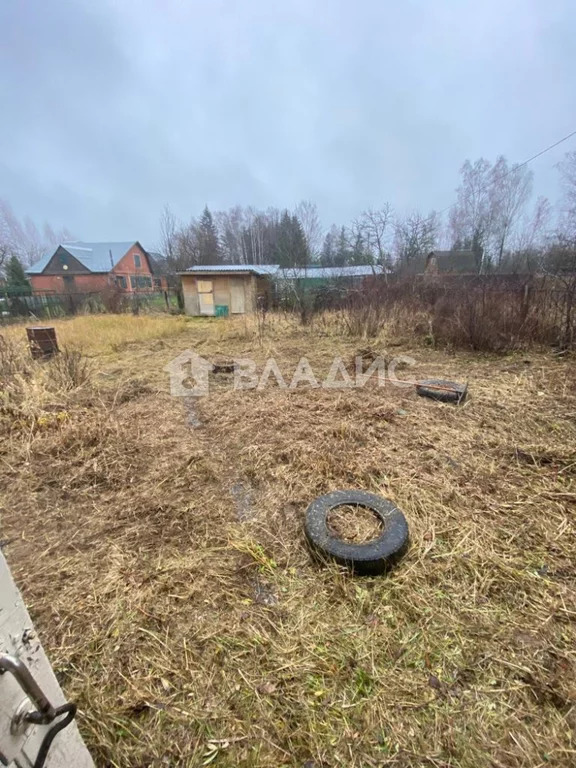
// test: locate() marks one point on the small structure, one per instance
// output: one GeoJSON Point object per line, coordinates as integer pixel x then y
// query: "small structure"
{"type": "Point", "coordinates": [80, 267]}
{"type": "Point", "coordinates": [456, 262]}
{"type": "Point", "coordinates": [223, 289]}
{"type": "Point", "coordinates": [42, 341]}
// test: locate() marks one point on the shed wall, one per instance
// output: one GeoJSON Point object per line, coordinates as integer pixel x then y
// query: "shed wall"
{"type": "Point", "coordinates": [220, 289]}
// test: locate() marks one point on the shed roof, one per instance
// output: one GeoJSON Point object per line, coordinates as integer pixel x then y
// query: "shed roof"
{"type": "Point", "coordinates": [256, 269]}
{"type": "Point", "coordinates": [293, 273]}
{"type": "Point", "coordinates": [94, 256]}
{"type": "Point", "coordinates": [330, 273]}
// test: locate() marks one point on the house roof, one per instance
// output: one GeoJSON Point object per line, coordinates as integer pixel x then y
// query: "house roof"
{"type": "Point", "coordinates": [94, 256]}
{"type": "Point", "coordinates": [292, 273]}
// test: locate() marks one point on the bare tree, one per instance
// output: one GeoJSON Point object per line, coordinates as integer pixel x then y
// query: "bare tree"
{"type": "Point", "coordinates": [307, 213]}
{"type": "Point", "coordinates": [568, 203]}
{"type": "Point", "coordinates": [230, 227]}
{"type": "Point", "coordinates": [374, 226]}
{"type": "Point", "coordinates": [52, 238]}
{"type": "Point", "coordinates": [23, 239]}
{"type": "Point", "coordinates": [254, 236]}
{"type": "Point", "coordinates": [11, 233]}
{"type": "Point", "coordinates": [510, 189]}
{"type": "Point", "coordinates": [415, 236]}
{"type": "Point", "coordinates": [471, 216]}
{"type": "Point", "coordinates": [168, 234]}
{"type": "Point", "coordinates": [34, 246]}
{"type": "Point", "coordinates": [186, 251]}
{"type": "Point", "coordinates": [532, 232]}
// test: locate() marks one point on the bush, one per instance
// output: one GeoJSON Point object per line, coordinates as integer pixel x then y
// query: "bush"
{"type": "Point", "coordinates": [489, 313]}
{"type": "Point", "coordinates": [70, 369]}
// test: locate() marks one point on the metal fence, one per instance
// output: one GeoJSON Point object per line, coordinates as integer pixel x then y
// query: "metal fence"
{"type": "Point", "coordinates": [48, 306]}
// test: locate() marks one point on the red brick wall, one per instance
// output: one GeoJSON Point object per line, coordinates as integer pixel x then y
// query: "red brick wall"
{"type": "Point", "coordinates": [127, 267]}
{"type": "Point", "coordinates": [55, 283]}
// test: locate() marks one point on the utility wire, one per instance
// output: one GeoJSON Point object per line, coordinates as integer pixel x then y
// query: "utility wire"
{"type": "Point", "coordinates": [520, 165]}
{"type": "Point", "coordinates": [543, 152]}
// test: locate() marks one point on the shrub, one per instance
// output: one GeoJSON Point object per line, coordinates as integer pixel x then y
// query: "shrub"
{"type": "Point", "coordinates": [70, 369]}
{"type": "Point", "coordinates": [492, 313]}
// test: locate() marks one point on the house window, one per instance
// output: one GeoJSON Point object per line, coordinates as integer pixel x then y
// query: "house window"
{"type": "Point", "coordinates": [121, 282]}
{"type": "Point", "coordinates": [140, 281]}
{"type": "Point", "coordinates": [137, 261]}
{"type": "Point", "coordinates": [158, 283]}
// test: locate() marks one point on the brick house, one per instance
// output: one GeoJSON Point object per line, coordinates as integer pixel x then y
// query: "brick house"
{"type": "Point", "coordinates": [91, 267]}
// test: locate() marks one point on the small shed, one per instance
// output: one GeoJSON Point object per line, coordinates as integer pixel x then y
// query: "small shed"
{"type": "Point", "coordinates": [225, 289]}
{"type": "Point", "coordinates": [234, 289]}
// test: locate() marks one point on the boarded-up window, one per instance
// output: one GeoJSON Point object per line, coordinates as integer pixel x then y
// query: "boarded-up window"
{"type": "Point", "coordinates": [205, 297]}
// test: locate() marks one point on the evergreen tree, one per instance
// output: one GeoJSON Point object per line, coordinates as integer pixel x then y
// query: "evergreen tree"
{"type": "Point", "coordinates": [342, 255]}
{"type": "Point", "coordinates": [208, 244]}
{"type": "Point", "coordinates": [360, 253]}
{"type": "Point", "coordinates": [300, 250]}
{"type": "Point", "coordinates": [328, 250]}
{"type": "Point", "coordinates": [283, 243]}
{"type": "Point", "coordinates": [15, 275]}
{"type": "Point", "coordinates": [291, 245]}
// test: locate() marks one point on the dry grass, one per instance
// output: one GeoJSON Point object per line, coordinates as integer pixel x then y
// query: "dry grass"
{"type": "Point", "coordinates": [103, 334]}
{"type": "Point", "coordinates": [165, 565]}
{"type": "Point", "coordinates": [354, 523]}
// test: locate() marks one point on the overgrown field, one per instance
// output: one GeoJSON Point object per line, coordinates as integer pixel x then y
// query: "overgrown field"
{"type": "Point", "coordinates": [159, 544]}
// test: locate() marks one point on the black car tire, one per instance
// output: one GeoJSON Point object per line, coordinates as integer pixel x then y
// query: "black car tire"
{"type": "Point", "coordinates": [453, 392]}
{"type": "Point", "coordinates": [371, 558]}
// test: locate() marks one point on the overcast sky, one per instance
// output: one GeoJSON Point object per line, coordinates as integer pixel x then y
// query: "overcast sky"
{"type": "Point", "coordinates": [112, 108]}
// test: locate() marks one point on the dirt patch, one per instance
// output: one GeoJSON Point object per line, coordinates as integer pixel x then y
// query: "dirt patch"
{"type": "Point", "coordinates": [354, 523]}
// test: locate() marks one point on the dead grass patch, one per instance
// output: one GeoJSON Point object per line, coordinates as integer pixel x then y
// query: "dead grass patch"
{"type": "Point", "coordinates": [105, 334]}
{"type": "Point", "coordinates": [354, 523]}
{"type": "Point", "coordinates": [164, 563]}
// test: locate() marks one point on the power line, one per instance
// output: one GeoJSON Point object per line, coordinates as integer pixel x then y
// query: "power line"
{"type": "Point", "coordinates": [520, 165]}
{"type": "Point", "coordinates": [543, 152]}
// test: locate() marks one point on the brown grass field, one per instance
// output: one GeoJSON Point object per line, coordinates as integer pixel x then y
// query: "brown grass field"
{"type": "Point", "coordinates": [159, 544]}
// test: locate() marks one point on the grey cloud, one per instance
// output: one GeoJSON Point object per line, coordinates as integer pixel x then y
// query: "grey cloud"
{"type": "Point", "coordinates": [111, 110]}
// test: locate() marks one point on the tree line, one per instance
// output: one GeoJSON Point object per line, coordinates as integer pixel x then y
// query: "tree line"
{"type": "Point", "coordinates": [22, 243]}
{"type": "Point", "coordinates": [493, 217]}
